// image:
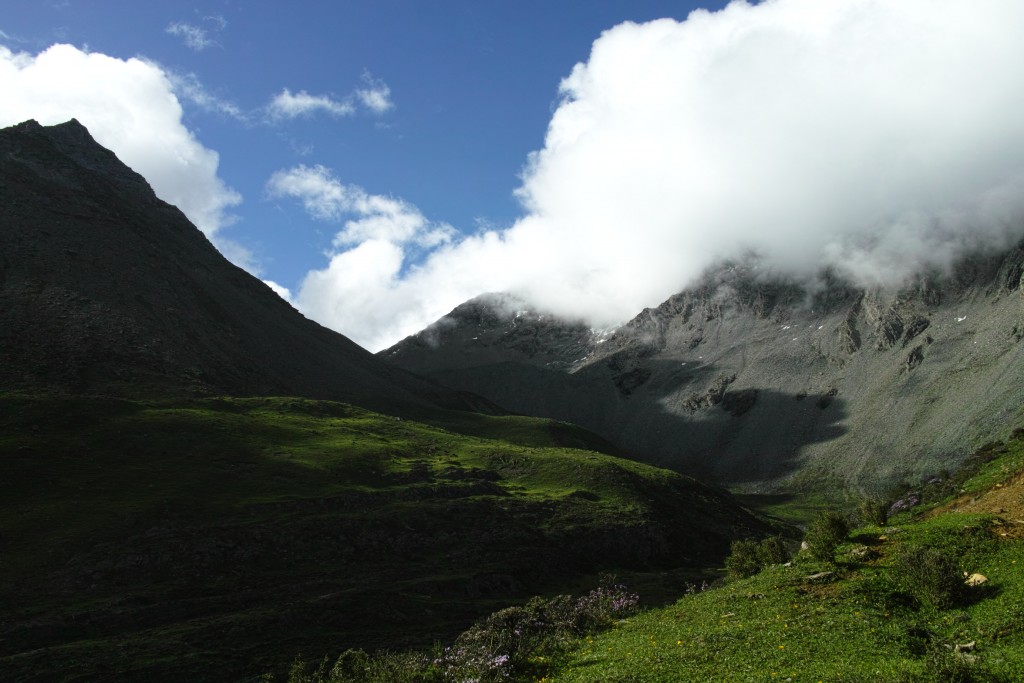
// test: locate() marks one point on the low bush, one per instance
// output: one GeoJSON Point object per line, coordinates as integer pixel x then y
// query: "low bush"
{"type": "Point", "coordinates": [497, 648]}
{"type": "Point", "coordinates": [742, 560]}
{"type": "Point", "coordinates": [357, 666]}
{"type": "Point", "coordinates": [873, 511]}
{"type": "Point", "coordinates": [506, 641]}
{"type": "Point", "coordinates": [932, 576]}
{"type": "Point", "coordinates": [772, 550]}
{"type": "Point", "coordinates": [945, 665]}
{"type": "Point", "coordinates": [825, 533]}
{"type": "Point", "coordinates": [748, 557]}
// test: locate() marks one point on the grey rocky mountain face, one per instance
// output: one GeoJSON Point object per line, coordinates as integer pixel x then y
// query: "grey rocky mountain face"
{"type": "Point", "coordinates": [763, 383]}
{"type": "Point", "coordinates": [106, 289]}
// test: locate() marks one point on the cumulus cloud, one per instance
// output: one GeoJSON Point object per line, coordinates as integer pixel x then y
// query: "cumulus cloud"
{"type": "Point", "coordinates": [878, 137]}
{"type": "Point", "coordinates": [289, 105]}
{"type": "Point", "coordinates": [374, 98]}
{"type": "Point", "coordinates": [376, 217]}
{"type": "Point", "coordinates": [366, 286]}
{"type": "Point", "coordinates": [130, 107]}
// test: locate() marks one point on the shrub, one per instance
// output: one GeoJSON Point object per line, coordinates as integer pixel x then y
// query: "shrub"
{"type": "Point", "coordinates": [772, 550]}
{"type": "Point", "coordinates": [298, 672]}
{"type": "Point", "coordinates": [946, 665]}
{"type": "Point", "coordinates": [742, 560]}
{"type": "Point", "coordinates": [873, 511]}
{"type": "Point", "coordinates": [499, 647]}
{"type": "Point", "coordinates": [748, 557]}
{"type": "Point", "coordinates": [825, 533]}
{"type": "Point", "coordinates": [502, 644]}
{"type": "Point", "coordinates": [930, 575]}
{"type": "Point", "coordinates": [598, 609]}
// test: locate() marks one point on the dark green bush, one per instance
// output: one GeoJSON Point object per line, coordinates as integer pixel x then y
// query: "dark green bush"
{"type": "Point", "coordinates": [742, 560]}
{"type": "Point", "coordinates": [499, 647]}
{"type": "Point", "coordinates": [825, 533]}
{"type": "Point", "coordinates": [299, 673]}
{"type": "Point", "coordinates": [772, 550]}
{"type": "Point", "coordinates": [873, 511]}
{"type": "Point", "coordinates": [504, 643]}
{"type": "Point", "coordinates": [946, 665]}
{"type": "Point", "coordinates": [748, 557]}
{"type": "Point", "coordinates": [931, 575]}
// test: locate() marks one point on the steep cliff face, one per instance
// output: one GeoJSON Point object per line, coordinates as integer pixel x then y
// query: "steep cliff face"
{"type": "Point", "coordinates": [106, 289]}
{"type": "Point", "coordinates": [754, 381]}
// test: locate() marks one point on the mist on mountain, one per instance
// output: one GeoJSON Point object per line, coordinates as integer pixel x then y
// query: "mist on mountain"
{"type": "Point", "coordinates": [875, 139]}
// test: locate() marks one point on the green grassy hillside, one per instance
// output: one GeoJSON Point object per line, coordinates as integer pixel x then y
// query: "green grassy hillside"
{"type": "Point", "coordinates": [213, 539]}
{"type": "Point", "coordinates": [881, 614]}
{"type": "Point", "coordinates": [931, 595]}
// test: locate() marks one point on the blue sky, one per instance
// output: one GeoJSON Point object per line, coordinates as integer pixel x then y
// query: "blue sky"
{"type": "Point", "coordinates": [472, 82]}
{"type": "Point", "coordinates": [380, 162]}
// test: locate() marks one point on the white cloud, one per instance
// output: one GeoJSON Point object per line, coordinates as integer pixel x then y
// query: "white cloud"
{"type": "Point", "coordinates": [875, 136]}
{"type": "Point", "coordinates": [217, 20]}
{"type": "Point", "coordinates": [362, 290]}
{"type": "Point", "coordinates": [280, 290]}
{"type": "Point", "coordinates": [195, 37]}
{"type": "Point", "coordinates": [378, 218]}
{"type": "Point", "coordinates": [288, 105]}
{"type": "Point", "coordinates": [376, 96]}
{"type": "Point", "coordinates": [129, 106]}
{"type": "Point", "coordinates": [189, 88]}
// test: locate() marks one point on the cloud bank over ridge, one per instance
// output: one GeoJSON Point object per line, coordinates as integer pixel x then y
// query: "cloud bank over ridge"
{"type": "Point", "coordinates": [875, 136]}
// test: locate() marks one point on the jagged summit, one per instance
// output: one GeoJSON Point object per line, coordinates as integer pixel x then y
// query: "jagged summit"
{"type": "Point", "coordinates": [495, 328]}
{"type": "Point", "coordinates": [73, 141]}
{"type": "Point", "coordinates": [752, 380]}
{"type": "Point", "coordinates": [104, 288]}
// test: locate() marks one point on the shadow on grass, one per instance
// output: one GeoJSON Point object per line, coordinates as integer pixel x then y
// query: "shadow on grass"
{"type": "Point", "coordinates": [722, 435]}
{"type": "Point", "coordinates": [257, 528]}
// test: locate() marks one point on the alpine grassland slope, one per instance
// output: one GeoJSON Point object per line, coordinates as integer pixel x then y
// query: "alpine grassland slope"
{"type": "Point", "coordinates": [215, 538]}
{"type": "Point", "coordinates": [930, 595]}
{"type": "Point", "coordinates": [935, 595]}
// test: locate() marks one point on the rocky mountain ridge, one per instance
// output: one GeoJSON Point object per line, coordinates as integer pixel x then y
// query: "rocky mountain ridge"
{"type": "Point", "coordinates": [763, 382]}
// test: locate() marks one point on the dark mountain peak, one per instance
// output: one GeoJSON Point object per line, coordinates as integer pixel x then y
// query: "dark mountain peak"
{"type": "Point", "coordinates": [59, 154]}
{"type": "Point", "coordinates": [490, 308]}
{"type": "Point", "coordinates": [493, 326]}
{"type": "Point", "coordinates": [27, 126]}
{"type": "Point", "coordinates": [106, 289]}
{"type": "Point", "coordinates": [70, 132]}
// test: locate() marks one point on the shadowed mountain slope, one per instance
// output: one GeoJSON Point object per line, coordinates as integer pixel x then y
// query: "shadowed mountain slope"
{"type": "Point", "coordinates": [104, 288]}
{"type": "Point", "coordinates": [753, 381]}
{"type": "Point", "coordinates": [150, 531]}
{"type": "Point", "coordinates": [213, 539]}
